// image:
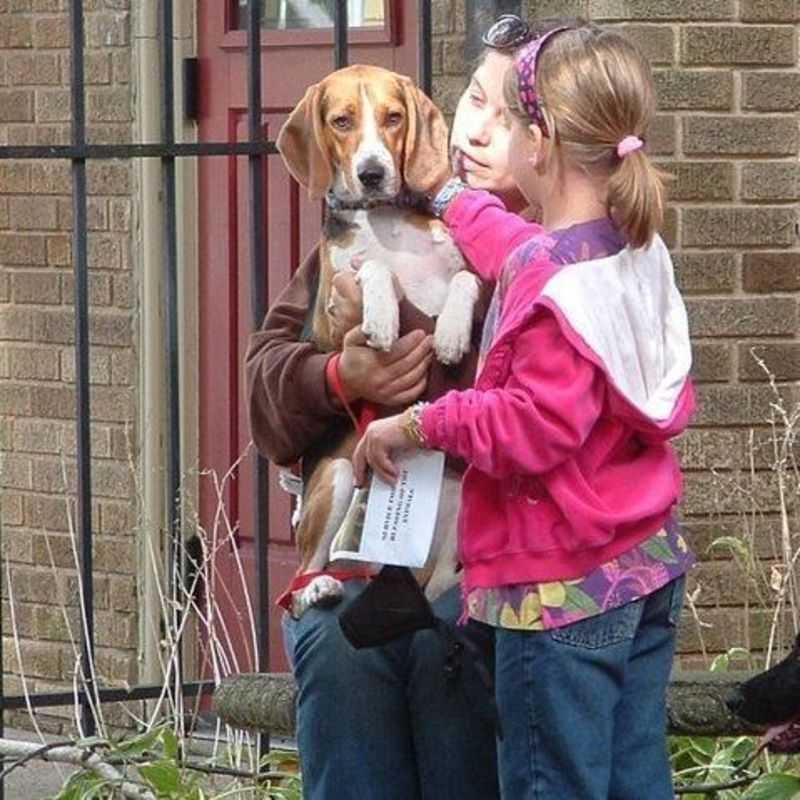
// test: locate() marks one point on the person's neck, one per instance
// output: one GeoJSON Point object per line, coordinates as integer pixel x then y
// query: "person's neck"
{"type": "Point", "coordinates": [576, 201]}
{"type": "Point", "coordinates": [513, 201]}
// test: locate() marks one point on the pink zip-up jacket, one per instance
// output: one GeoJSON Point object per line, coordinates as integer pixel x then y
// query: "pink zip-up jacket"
{"type": "Point", "coordinates": [567, 430]}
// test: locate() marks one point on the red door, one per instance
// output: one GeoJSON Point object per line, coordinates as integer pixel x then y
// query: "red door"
{"type": "Point", "coordinates": [297, 50]}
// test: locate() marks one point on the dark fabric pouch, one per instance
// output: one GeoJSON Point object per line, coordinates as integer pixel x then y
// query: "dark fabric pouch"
{"type": "Point", "coordinates": [392, 605]}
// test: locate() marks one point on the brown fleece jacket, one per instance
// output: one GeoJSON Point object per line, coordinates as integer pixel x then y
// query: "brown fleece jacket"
{"type": "Point", "coordinates": [290, 412]}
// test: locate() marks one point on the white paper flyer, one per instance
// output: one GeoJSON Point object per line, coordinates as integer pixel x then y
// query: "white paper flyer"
{"type": "Point", "coordinates": [394, 524]}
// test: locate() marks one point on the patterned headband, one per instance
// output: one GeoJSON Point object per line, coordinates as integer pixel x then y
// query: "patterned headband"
{"type": "Point", "coordinates": [525, 65]}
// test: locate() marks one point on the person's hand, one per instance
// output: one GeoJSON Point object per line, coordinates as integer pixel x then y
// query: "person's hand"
{"type": "Point", "coordinates": [396, 378]}
{"type": "Point", "coordinates": [382, 439]}
{"type": "Point", "coordinates": [345, 305]}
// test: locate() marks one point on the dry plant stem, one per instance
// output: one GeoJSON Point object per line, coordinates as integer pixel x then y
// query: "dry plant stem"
{"type": "Point", "coordinates": [219, 487]}
{"type": "Point", "coordinates": [78, 675]}
{"type": "Point", "coordinates": [714, 788]}
{"type": "Point", "coordinates": [94, 702]}
{"type": "Point", "coordinates": [699, 623]}
{"type": "Point", "coordinates": [783, 459]}
{"type": "Point", "coordinates": [220, 659]}
{"type": "Point", "coordinates": [80, 757]}
{"type": "Point", "coordinates": [174, 637]}
{"type": "Point", "coordinates": [15, 633]}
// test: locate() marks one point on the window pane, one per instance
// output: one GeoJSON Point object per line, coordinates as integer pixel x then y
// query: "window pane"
{"type": "Point", "coordinates": [305, 14]}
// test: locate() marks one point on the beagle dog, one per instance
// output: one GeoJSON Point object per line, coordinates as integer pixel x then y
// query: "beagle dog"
{"type": "Point", "coordinates": [369, 141]}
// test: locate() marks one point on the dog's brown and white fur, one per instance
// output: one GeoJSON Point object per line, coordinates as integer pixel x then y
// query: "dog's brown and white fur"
{"type": "Point", "coordinates": [367, 136]}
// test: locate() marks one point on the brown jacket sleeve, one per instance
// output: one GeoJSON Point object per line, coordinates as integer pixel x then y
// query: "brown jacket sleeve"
{"type": "Point", "coordinates": [287, 399]}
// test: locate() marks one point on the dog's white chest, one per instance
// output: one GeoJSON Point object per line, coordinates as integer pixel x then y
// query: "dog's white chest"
{"type": "Point", "coordinates": [418, 250]}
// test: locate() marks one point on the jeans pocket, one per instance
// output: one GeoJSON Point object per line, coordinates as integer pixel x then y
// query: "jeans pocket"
{"type": "Point", "coordinates": [602, 630]}
{"type": "Point", "coordinates": [676, 600]}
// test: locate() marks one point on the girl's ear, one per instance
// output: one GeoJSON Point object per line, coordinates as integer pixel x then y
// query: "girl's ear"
{"type": "Point", "coordinates": [538, 146]}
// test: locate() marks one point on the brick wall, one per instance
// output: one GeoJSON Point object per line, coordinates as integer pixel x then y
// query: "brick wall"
{"type": "Point", "coordinates": [729, 95]}
{"type": "Point", "coordinates": [37, 397]}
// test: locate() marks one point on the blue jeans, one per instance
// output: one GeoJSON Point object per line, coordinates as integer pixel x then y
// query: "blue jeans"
{"type": "Point", "coordinates": [583, 706]}
{"type": "Point", "coordinates": [386, 723]}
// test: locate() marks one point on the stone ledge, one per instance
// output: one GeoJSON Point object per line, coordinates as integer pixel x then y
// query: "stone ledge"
{"type": "Point", "coordinates": [695, 703]}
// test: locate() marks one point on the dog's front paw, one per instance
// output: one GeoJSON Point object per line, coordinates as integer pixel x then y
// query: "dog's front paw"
{"type": "Point", "coordinates": [381, 324]}
{"type": "Point", "coordinates": [381, 321]}
{"type": "Point", "coordinates": [323, 592]}
{"type": "Point", "coordinates": [451, 339]}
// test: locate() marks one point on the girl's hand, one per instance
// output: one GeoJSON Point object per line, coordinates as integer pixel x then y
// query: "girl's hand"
{"type": "Point", "coordinates": [383, 438]}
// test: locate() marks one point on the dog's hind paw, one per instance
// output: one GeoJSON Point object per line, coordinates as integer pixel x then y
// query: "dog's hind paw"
{"type": "Point", "coordinates": [323, 592]}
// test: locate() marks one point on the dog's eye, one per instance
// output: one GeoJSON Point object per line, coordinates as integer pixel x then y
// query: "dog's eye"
{"type": "Point", "coordinates": [341, 123]}
{"type": "Point", "coordinates": [394, 118]}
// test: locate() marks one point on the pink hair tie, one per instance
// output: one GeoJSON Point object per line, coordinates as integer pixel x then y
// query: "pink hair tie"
{"type": "Point", "coordinates": [629, 144]}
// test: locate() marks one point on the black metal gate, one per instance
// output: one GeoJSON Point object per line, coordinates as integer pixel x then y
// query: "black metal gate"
{"type": "Point", "coordinates": [78, 153]}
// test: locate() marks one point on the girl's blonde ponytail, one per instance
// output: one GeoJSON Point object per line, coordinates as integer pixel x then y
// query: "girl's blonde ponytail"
{"type": "Point", "coordinates": [596, 90]}
{"type": "Point", "coordinates": [636, 197]}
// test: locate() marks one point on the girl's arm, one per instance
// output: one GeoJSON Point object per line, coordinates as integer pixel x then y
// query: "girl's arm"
{"type": "Point", "coordinates": [541, 416]}
{"type": "Point", "coordinates": [485, 231]}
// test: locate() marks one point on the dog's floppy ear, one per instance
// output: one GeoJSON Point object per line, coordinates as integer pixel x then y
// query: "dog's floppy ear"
{"type": "Point", "coordinates": [302, 146]}
{"type": "Point", "coordinates": [426, 162]}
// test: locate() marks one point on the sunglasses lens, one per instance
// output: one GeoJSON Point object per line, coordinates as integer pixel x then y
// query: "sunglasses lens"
{"type": "Point", "coordinates": [508, 31]}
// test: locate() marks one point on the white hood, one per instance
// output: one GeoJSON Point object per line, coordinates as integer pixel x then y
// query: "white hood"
{"type": "Point", "coordinates": [629, 312]}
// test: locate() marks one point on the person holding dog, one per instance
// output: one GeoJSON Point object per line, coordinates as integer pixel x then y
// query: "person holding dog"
{"type": "Point", "coordinates": [567, 536]}
{"type": "Point", "coordinates": [383, 723]}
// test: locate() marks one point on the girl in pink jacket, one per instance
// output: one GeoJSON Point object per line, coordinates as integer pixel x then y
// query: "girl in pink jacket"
{"type": "Point", "coordinates": [567, 535]}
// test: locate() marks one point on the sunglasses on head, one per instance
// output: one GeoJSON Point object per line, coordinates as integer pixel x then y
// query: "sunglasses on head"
{"type": "Point", "coordinates": [507, 32]}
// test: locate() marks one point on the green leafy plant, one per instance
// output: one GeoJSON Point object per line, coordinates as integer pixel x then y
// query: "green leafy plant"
{"type": "Point", "coordinates": [152, 767]}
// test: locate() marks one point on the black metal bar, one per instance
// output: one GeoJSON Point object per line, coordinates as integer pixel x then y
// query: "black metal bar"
{"type": "Point", "coordinates": [258, 293]}
{"type": "Point", "coordinates": [105, 151]}
{"type": "Point", "coordinates": [340, 25]}
{"type": "Point", "coordinates": [45, 699]}
{"type": "Point", "coordinates": [258, 299]}
{"type": "Point", "coordinates": [78, 152]}
{"type": "Point", "coordinates": [425, 40]}
{"type": "Point", "coordinates": [84, 448]}
{"type": "Point", "coordinates": [175, 554]}
{"type": "Point", "coordinates": [3, 699]}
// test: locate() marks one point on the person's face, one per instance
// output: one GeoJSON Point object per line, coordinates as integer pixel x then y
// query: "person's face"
{"type": "Point", "coordinates": [480, 135]}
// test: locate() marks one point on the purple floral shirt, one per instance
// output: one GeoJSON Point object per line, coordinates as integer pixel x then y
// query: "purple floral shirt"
{"type": "Point", "coordinates": [541, 606]}
{"type": "Point", "coordinates": [636, 573]}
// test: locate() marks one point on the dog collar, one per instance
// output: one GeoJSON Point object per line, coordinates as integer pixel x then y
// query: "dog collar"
{"type": "Point", "coordinates": [405, 199]}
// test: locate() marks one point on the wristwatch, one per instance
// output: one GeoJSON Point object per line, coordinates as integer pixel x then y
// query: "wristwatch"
{"type": "Point", "coordinates": [442, 199]}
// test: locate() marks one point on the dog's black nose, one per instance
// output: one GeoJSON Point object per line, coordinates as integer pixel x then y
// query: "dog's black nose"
{"type": "Point", "coordinates": [371, 176]}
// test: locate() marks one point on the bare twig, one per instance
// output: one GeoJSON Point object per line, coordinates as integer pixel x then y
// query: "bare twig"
{"type": "Point", "coordinates": [713, 788]}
